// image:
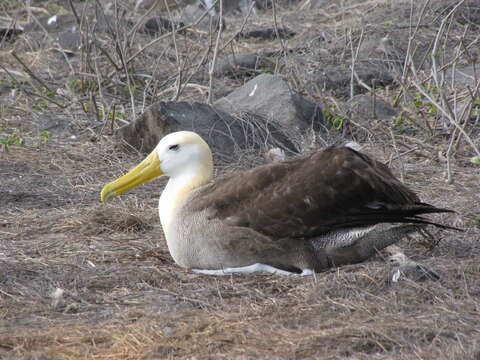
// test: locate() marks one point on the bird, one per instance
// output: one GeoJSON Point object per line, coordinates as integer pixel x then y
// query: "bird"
{"type": "Point", "coordinates": [304, 215]}
{"type": "Point", "coordinates": [404, 268]}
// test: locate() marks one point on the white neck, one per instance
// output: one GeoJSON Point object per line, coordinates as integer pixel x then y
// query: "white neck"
{"type": "Point", "coordinates": [177, 190]}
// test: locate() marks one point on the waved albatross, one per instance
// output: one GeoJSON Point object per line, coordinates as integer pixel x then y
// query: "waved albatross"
{"type": "Point", "coordinates": [334, 207]}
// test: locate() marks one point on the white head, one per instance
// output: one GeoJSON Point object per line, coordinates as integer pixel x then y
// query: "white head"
{"type": "Point", "coordinates": [184, 152]}
{"type": "Point", "coordinates": [179, 155]}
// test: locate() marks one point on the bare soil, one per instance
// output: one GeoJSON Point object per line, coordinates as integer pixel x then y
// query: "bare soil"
{"type": "Point", "coordinates": [81, 280]}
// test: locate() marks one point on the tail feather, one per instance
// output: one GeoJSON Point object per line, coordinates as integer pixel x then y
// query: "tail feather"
{"type": "Point", "coordinates": [405, 213]}
{"type": "Point", "coordinates": [424, 208]}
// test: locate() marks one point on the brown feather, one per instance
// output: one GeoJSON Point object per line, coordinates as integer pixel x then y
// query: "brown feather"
{"type": "Point", "coordinates": [336, 188]}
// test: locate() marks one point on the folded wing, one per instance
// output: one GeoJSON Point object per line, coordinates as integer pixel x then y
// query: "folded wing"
{"type": "Point", "coordinates": [337, 188]}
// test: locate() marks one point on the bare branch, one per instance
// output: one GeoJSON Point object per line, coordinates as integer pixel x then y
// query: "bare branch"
{"type": "Point", "coordinates": [215, 53]}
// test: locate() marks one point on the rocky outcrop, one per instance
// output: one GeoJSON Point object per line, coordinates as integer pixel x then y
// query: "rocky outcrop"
{"type": "Point", "coordinates": [226, 134]}
{"type": "Point", "coordinates": [271, 97]}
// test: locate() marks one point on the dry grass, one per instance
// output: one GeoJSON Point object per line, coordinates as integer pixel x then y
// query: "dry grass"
{"type": "Point", "coordinates": [80, 280]}
{"type": "Point", "coordinates": [123, 298]}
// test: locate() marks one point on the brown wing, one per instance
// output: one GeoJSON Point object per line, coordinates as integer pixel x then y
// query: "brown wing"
{"type": "Point", "coordinates": [331, 189]}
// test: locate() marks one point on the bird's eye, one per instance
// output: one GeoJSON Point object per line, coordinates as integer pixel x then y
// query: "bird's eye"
{"type": "Point", "coordinates": [173, 147]}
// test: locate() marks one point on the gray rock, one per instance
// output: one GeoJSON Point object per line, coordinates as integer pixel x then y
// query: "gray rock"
{"type": "Point", "coordinates": [263, 4]}
{"type": "Point", "coordinates": [337, 79]}
{"type": "Point", "coordinates": [462, 76]}
{"type": "Point", "coordinates": [225, 134]}
{"type": "Point", "coordinates": [100, 21]}
{"type": "Point", "coordinates": [368, 107]}
{"type": "Point", "coordinates": [240, 65]}
{"type": "Point", "coordinates": [159, 25]}
{"type": "Point", "coordinates": [318, 4]}
{"type": "Point", "coordinates": [468, 13]}
{"type": "Point", "coordinates": [267, 4]}
{"type": "Point", "coordinates": [271, 97]}
{"type": "Point", "coordinates": [69, 40]}
{"type": "Point", "coordinates": [266, 34]}
{"type": "Point", "coordinates": [9, 34]}
{"type": "Point", "coordinates": [52, 123]}
{"type": "Point", "coordinates": [161, 5]}
{"type": "Point", "coordinates": [230, 7]}
{"type": "Point", "coordinates": [109, 23]}
{"type": "Point", "coordinates": [191, 13]}
{"type": "Point", "coordinates": [52, 24]}
{"type": "Point", "coordinates": [235, 6]}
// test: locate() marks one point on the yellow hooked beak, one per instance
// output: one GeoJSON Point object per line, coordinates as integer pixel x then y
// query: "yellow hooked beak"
{"type": "Point", "coordinates": [147, 170]}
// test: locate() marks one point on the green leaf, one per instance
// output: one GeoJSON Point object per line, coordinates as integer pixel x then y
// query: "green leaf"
{"type": "Point", "coordinates": [475, 160]}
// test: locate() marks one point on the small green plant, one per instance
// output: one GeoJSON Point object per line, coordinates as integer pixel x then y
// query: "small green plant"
{"type": "Point", "coordinates": [134, 88]}
{"type": "Point", "coordinates": [476, 112]}
{"type": "Point", "coordinates": [265, 71]}
{"type": "Point", "coordinates": [476, 221]}
{"type": "Point", "coordinates": [438, 53]}
{"type": "Point", "coordinates": [336, 120]}
{"type": "Point", "coordinates": [12, 139]}
{"type": "Point", "coordinates": [50, 94]}
{"type": "Point", "coordinates": [45, 136]}
{"type": "Point", "coordinates": [425, 107]}
{"type": "Point", "coordinates": [355, 30]}
{"type": "Point", "coordinates": [418, 101]}
{"type": "Point", "coordinates": [475, 160]}
{"type": "Point", "coordinates": [54, 9]}
{"type": "Point", "coordinates": [74, 85]}
{"type": "Point", "coordinates": [40, 105]}
{"type": "Point", "coordinates": [118, 115]}
{"type": "Point", "coordinates": [399, 124]}
{"type": "Point", "coordinates": [431, 109]}
{"type": "Point", "coordinates": [83, 86]}
{"type": "Point", "coordinates": [86, 107]}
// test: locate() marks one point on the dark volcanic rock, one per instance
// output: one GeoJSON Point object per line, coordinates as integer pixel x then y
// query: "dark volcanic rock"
{"type": "Point", "coordinates": [266, 34]}
{"type": "Point", "coordinates": [267, 4]}
{"type": "Point", "coordinates": [337, 79]}
{"type": "Point", "coordinates": [224, 133]}
{"type": "Point", "coordinates": [368, 107]}
{"type": "Point", "coordinates": [467, 13]}
{"type": "Point", "coordinates": [271, 97]}
{"type": "Point", "coordinates": [162, 4]}
{"type": "Point", "coordinates": [159, 25]}
{"type": "Point", "coordinates": [69, 41]}
{"type": "Point", "coordinates": [9, 34]}
{"type": "Point", "coordinates": [240, 65]}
